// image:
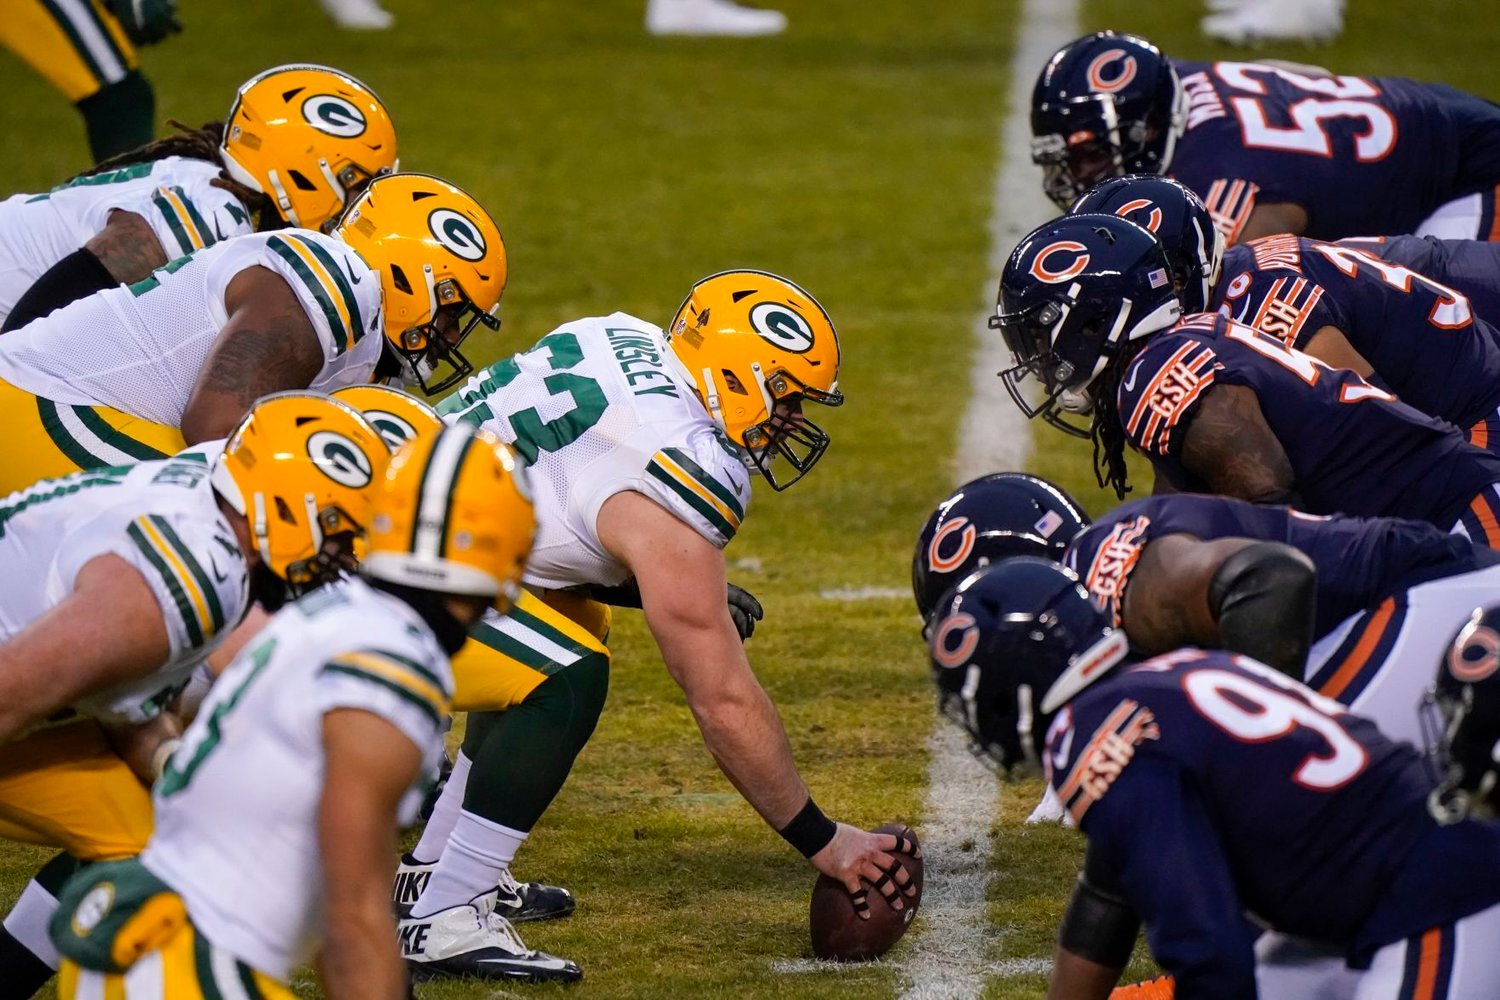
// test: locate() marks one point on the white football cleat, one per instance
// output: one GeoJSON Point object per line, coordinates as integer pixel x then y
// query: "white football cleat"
{"type": "Point", "coordinates": [1255, 21]}
{"type": "Point", "coordinates": [359, 15]}
{"type": "Point", "coordinates": [711, 17]}
{"type": "Point", "coordinates": [515, 901]}
{"type": "Point", "coordinates": [473, 940]}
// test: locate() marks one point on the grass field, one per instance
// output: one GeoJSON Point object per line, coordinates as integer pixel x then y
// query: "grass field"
{"type": "Point", "coordinates": [855, 154]}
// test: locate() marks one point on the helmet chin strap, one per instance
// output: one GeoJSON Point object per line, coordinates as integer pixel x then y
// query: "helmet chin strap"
{"type": "Point", "coordinates": [333, 181]}
{"type": "Point", "coordinates": [711, 400]}
{"type": "Point", "coordinates": [260, 528]}
{"type": "Point", "coordinates": [760, 383]}
{"type": "Point", "coordinates": [1085, 668]}
{"type": "Point", "coordinates": [282, 200]}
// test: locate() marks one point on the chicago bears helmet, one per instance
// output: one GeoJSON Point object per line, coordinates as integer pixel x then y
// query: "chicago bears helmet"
{"type": "Point", "coordinates": [309, 138]}
{"type": "Point", "coordinates": [1073, 294]}
{"type": "Point", "coordinates": [1012, 644]}
{"type": "Point", "coordinates": [442, 269]}
{"type": "Point", "coordinates": [755, 348]}
{"type": "Point", "coordinates": [1461, 721]}
{"type": "Point", "coordinates": [989, 519]}
{"type": "Point", "coordinates": [1177, 218]}
{"type": "Point", "coordinates": [1105, 104]}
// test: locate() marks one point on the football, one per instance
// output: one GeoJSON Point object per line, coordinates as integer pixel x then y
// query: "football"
{"type": "Point", "coordinates": [838, 933]}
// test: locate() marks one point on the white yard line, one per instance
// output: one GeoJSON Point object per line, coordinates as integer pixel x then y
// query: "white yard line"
{"type": "Point", "coordinates": [866, 594]}
{"type": "Point", "coordinates": [950, 954]}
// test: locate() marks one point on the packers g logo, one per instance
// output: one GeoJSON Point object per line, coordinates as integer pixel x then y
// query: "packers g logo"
{"type": "Point", "coordinates": [1102, 80]}
{"type": "Point", "coordinates": [333, 115]}
{"type": "Point", "coordinates": [947, 653]}
{"type": "Point", "coordinates": [340, 459]}
{"type": "Point", "coordinates": [966, 535]}
{"type": "Point", "coordinates": [458, 235]}
{"type": "Point", "coordinates": [93, 908]}
{"type": "Point", "coordinates": [782, 326]}
{"type": "Point", "coordinates": [1042, 270]}
{"type": "Point", "coordinates": [1153, 219]}
{"type": "Point", "coordinates": [394, 430]}
{"type": "Point", "coordinates": [1476, 654]}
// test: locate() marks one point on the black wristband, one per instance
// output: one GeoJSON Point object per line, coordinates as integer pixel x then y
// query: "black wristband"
{"type": "Point", "coordinates": [809, 831]}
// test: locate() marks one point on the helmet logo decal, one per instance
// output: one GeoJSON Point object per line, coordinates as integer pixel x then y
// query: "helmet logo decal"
{"type": "Point", "coordinates": [333, 115]}
{"type": "Point", "coordinates": [395, 430]}
{"type": "Point", "coordinates": [340, 459]}
{"type": "Point", "coordinates": [944, 652]}
{"type": "Point", "coordinates": [1153, 221]}
{"type": "Point", "coordinates": [966, 535]}
{"type": "Point", "coordinates": [1101, 83]}
{"type": "Point", "coordinates": [458, 234]}
{"type": "Point", "coordinates": [1475, 656]}
{"type": "Point", "coordinates": [782, 326]}
{"type": "Point", "coordinates": [1042, 271]}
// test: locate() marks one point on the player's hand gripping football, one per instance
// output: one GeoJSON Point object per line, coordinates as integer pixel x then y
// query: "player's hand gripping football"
{"type": "Point", "coordinates": [861, 861]}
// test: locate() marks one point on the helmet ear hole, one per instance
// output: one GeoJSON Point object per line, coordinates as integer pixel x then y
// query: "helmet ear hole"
{"type": "Point", "coordinates": [733, 383]}
{"type": "Point", "coordinates": [398, 276]}
{"type": "Point", "coordinates": [302, 182]}
{"type": "Point", "coordinates": [284, 512]}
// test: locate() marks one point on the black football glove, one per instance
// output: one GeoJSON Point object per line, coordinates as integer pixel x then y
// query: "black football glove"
{"type": "Point", "coordinates": [147, 22]}
{"type": "Point", "coordinates": [745, 610]}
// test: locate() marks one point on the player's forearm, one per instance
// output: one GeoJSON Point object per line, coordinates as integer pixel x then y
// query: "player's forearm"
{"type": "Point", "coordinates": [359, 955]}
{"type": "Point", "coordinates": [1077, 978]}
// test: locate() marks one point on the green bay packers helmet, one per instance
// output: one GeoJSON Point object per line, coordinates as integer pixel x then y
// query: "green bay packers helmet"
{"type": "Point", "coordinates": [453, 515]}
{"type": "Point", "coordinates": [756, 347]}
{"type": "Point", "coordinates": [299, 468]}
{"type": "Point", "coordinates": [398, 417]}
{"type": "Point", "coordinates": [309, 138]}
{"type": "Point", "coordinates": [442, 270]}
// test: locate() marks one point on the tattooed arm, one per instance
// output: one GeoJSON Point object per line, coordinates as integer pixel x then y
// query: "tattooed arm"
{"type": "Point", "coordinates": [1230, 447]}
{"type": "Point", "coordinates": [127, 247]}
{"type": "Point", "coordinates": [268, 345]}
{"type": "Point", "coordinates": [1166, 603]}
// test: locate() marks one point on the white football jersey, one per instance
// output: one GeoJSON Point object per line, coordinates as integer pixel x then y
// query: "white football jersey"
{"type": "Point", "coordinates": [163, 519]}
{"type": "Point", "coordinates": [237, 804]}
{"type": "Point", "coordinates": [599, 406]}
{"type": "Point", "coordinates": [140, 348]}
{"type": "Point", "coordinates": [174, 195]}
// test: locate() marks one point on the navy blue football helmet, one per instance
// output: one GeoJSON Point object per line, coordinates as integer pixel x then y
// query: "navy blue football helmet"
{"type": "Point", "coordinates": [1073, 294]}
{"type": "Point", "coordinates": [1104, 105]}
{"type": "Point", "coordinates": [1177, 218]}
{"type": "Point", "coordinates": [1012, 644]}
{"type": "Point", "coordinates": [989, 519]}
{"type": "Point", "coordinates": [1461, 721]}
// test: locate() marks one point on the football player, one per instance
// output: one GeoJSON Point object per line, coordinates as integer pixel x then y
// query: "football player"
{"type": "Point", "coordinates": [1210, 787]}
{"type": "Point", "coordinates": [1471, 267]}
{"type": "Point", "coordinates": [1409, 332]}
{"type": "Point", "coordinates": [1269, 147]}
{"type": "Point", "coordinates": [141, 371]}
{"type": "Point", "coordinates": [304, 757]}
{"type": "Point", "coordinates": [1087, 306]}
{"type": "Point", "coordinates": [299, 144]}
{"type": "Point", "coordinates": [641, 443]}
{"type": "Point", "coordinates": [1463, 719]}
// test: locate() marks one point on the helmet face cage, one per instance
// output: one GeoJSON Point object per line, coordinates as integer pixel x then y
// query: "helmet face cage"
{"type": "Point", "coordinates": [784, 447]}
{"type": "Point", "coordinates": [1034, 336]}
{"type": "Point", "coordinates": [1460, 723]}
{"type": "Point", "coordinates": [425, 350]}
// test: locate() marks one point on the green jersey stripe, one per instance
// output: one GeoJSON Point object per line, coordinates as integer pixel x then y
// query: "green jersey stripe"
{"type": "Point", "coordinates": [64, 441]}
{"type": "Point", "coordinates": [492, 638]}
{"type": "Point", "coordinates": [320, 294]}
{"type": "Point", "coordinates": [715, 487]}
{"type": "Point", "coordinates": [174, 586]}
{"type": "Point", "coordinates": [346, 291]}
{"type": "Point", "coordinates": [693, 500]}
{"type": "Point", "coordinates": [114, 438]}
{"type": "Point", "coordinates": [197, 220]}
{"type": "Point", "coordinates": [210, 595]}
{"type": "Point", "coordinates": [174, 222]}
{"type": "Point", "coordinates": [431, 711]}
{"type": "Point", "coordinates": [65, 487]}
{"type": "Point", "coordinates": [398, 660]}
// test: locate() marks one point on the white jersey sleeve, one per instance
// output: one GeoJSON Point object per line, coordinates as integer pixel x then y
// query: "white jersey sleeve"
{"type": "Point", "coordinates": [187, 212]}
{"type": "Point", "coordinates": [399, 688]}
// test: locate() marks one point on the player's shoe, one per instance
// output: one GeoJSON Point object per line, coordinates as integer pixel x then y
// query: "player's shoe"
{"type": "Point", "coordinates": [1311, 21]}
{"type": "Point", "coordinates": [711, 17]}
{"type": "Point", "coordinates": [1160, 988]}
{"type": "Point", "coordinates": [359, 15]}
{"type": "Point", "coordinates": [515, 901]}
{"type": "Point", "coordinates": [472, 940]}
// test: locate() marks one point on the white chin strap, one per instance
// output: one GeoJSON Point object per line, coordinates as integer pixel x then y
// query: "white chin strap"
{"type": "Point", "coordinates": [282, 201]}
{"type": "Point", "coordinates": [710, 389]}
{"type": "Point", "coordinates": [1085, 668]}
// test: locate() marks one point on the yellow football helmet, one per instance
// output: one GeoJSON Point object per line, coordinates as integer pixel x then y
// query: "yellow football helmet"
{"type": "Point", "coordinates": [442, 269]}
{"type": "Point", "coordinates": [756, 347]}
{"type": "Point", "coordinates": [398, 417]}
{"type": "Point", "coordinates": [309, 138]}
{"type": "Point", "coordinates": [453, 514]}
{"type": "Point", "coordinates": [299, 468]}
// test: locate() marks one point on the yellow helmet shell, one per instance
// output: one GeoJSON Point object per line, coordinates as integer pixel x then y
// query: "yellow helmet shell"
{"type": "Point", "coordinates": [309, 138]}
{"type": "Point", "coordinates": [299, 468]}
{"type": "Point", "coordinates": [398, 416]}
{"type": "Point", "coordinates": [453, 514]}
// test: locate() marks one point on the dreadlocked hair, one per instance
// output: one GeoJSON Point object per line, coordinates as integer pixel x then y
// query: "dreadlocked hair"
{"type": "Point", "coordinates": [195, 144]}
{"type": "Point", "coordinates": [1107, 432]}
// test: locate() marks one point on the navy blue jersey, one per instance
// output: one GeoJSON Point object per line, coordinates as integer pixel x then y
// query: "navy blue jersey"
{"type": "Point", "coordinates": [1468, 266]}
{"type": "Point", "coordinates": [1353, 448]}
{"type": "Point", "coordinates": [1359, 154]}
{"type": "Point", "coordinates": [1359, 560]}
{"type": "Point", "coordinates": [1212, 787]}
{"type": "Point", "coordinates": [1420, 336]}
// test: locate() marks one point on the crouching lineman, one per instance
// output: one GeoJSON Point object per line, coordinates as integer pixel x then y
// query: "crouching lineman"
{"type": "Point", "coordinates": [138, 372]}
{"type": "Point", "coordinates": [120, 582]}
{"type": "Point", "coordinates": [1210, 787]}
{"type": "Point", "coordinates": [307, 755]}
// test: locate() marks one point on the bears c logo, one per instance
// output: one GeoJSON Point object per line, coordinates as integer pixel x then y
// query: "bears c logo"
{"type": "Point", "coordinates": [1043, 270]}
{"type": "Point", "coordinates": [1152, 220]}
{"type": "Point", "coordinates": [1476, 654]}
{"type": "Point", "coordinates": [948, 653]}
{"type": "Point", "coordinates": [340, 459]}
{"type": "Point", "coordinates": [333, 115]}
{"type": "Point", "coordinates": [457, 234]}
{"type": "Point", "coordinates": [1105, 80]}
{"type": "Point", "coordinates": [783, 326]}
{"type": "Point", "coordinates": [941, 563]}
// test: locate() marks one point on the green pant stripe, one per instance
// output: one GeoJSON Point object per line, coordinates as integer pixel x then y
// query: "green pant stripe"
{"type": "Point", "coordinates": [174, 222]}
{"type": "Point", "coordinates": [203, 965]}
{"type": "Point", "coordinates": [78, 46]}
{"type": "Point", "coordinates": [174, 586]}
{"type": "Point", "coordinates": [63, 441]}
{"type": "Point", "coordinates": [433, 712]}
{"type": "Point", "coordinates": [506, 645]}
{"type": "Point", "coordinates": [247, 980]}
{"type": "Point", "coordinates": [548, 631]}
{"type": "Point", "coordinates": [90, 418]}
{"type": "Point", "coordinates": [320, 294]}
{"type": "Point", "coordinates": [693, 500]}
{"type": "Point", "coordinates": [346, 292]}
{"type": "Point", "coordinates": [707, 481]}
{"type": "Point", "coordinates": [210, 595]}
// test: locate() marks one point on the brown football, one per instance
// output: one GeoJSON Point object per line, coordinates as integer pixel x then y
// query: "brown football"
{"type": "Point", "coordinates": [838, 934]}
